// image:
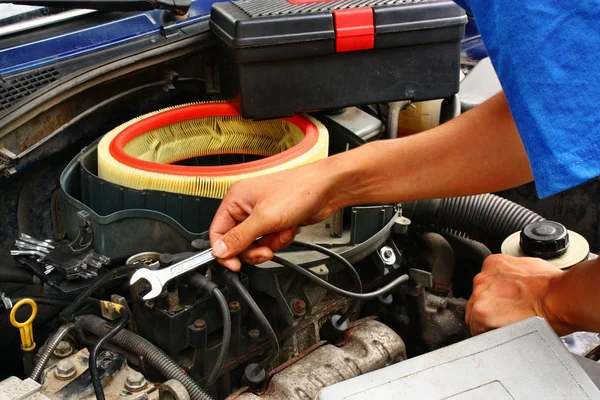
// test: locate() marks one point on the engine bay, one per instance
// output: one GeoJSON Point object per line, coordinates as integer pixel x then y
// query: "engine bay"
{"type": "Point", "coordinates": [370, 287]}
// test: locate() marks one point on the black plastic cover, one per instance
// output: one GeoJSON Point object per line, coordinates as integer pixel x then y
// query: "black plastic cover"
{"type": "Point", "coordinates": [323, 55]}
{"type": "Point", "coordinates": [249, 23]}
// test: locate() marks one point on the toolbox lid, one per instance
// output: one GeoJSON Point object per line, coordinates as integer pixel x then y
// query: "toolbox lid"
{"type": "Point", "coordinates": [352, 24]}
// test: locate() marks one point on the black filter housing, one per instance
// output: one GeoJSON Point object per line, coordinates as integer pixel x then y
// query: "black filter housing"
{"type": "Point", "coordinates": [300, 55]}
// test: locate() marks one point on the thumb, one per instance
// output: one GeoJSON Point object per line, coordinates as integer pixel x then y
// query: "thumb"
{"type": "Point", "coordinates": [239, 238]}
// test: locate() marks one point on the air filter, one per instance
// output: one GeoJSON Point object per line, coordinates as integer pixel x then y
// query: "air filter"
{"type": "Point", "coordinates": [140, 153]}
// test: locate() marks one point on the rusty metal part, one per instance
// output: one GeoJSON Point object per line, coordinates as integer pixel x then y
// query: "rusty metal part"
{"type": "Point", "coordinates": [135, 381]}
{"type": "Point", "coordinates": [370, 345]}
{"type": "Point", "coordinates": [173, 390]}
{"type": "Point", "coordinates": [298, 307]}
{"type": "Point", "coordinates": [63, 349]}
{"type": "Point", "coordinates": [78, 385]}
{"type": "Point", "coordinates": [442, 318]}
{"type": "Point", "coordinates": [65, 370]}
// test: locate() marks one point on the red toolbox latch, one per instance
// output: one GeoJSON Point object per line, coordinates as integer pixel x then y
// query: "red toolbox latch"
{"type": "Point", "coordinates": [354, 29]}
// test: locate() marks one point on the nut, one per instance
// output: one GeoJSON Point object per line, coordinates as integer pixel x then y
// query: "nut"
{"type": "Point", "coordinates": [298, 307]}
{"type": "Point", "coordinates": [63, 349]}
{"type": "Point", "coordinates": [65, 370]}
{"type": "Point", "coordinates": [234, 305]}
{"type": "Point", "coordinates": [135, 381]}
{"type": "Point", "coordinates": [199, 324]}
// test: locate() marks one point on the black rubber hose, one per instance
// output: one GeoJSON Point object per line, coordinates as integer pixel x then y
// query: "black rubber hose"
{"type": "Point", "coordinates": [355, 277]}
{"type": "Point", "coordinates": [68, 313]}
{"type": "Point", "coordinates": [16, 275]}
{"type": "Point", "coordinates": [326, 285]}
{"type": "Point", "coordinates": [234, 280]}
{"type": "Point", "coordinates": [214, 374]}
{"type": "Point", "coordinates": [150, 353]}
{"type": "Point", "coordinates": [486, 218]}
{"type": "Point", "coordinates": [93, 366]}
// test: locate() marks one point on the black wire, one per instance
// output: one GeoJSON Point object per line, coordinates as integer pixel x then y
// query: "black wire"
{"type": "Point", "coordinates": [54, 301]}
{"type": "Point", "coordinates": [96, 383]}
{"type": "Point", "coordinates": [234, 279]}
{"type": "Point", "coordinates": [225, 341]}
{"type": "Point", "coordinates": [68, 313]}
{"type": "Point", "coordinates": [355, 277]}
{"type": "Point", "coordinates": [324, 284]}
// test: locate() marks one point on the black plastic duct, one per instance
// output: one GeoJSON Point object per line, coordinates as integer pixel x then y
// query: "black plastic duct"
{"type": "Point", "coordinates": [486, 218]}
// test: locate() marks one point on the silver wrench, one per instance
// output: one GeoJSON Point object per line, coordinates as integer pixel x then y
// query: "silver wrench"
{"type": "Point", "coordinates": [158, 278]}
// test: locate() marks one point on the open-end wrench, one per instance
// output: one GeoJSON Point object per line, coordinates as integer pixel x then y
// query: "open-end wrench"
{"type": "Point", "coordinates": [158, 278]}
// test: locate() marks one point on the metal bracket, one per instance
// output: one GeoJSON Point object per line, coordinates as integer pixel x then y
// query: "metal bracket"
{"type": "Point", "coordinates": [6, 301]}
{"type": "Point", "coordinates": [84, 218]}
{"type": "Point", "coordinates": [8, 160]}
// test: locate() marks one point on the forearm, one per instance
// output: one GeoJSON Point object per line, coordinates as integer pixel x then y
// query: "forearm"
{"type": "Point", "coordinates": [573, 299]}
{"type": "Point", "coordinates": [478, 152]}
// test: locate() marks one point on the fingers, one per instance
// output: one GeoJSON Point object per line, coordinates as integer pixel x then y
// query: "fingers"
{"type": "Point", "coordinates": [238, 238]}
{"type": "Point", "coordinates": [263, 250]}
{"type": "Point", "coordinates": [234, 264]}
{"type": "Point", "coordinates": [257, 255]}
{"type": "Point", "coordinates": [278, 240]}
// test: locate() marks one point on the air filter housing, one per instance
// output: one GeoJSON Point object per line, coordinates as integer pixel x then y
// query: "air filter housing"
{"type": "Point", "coordinates": [300, 55]}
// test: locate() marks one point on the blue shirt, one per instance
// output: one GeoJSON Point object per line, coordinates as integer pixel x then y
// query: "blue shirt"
{"type": "Point", "coordinates": [547, 56]}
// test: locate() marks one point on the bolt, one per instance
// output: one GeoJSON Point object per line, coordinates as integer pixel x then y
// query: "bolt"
{"type": "Point", "coordinates": [234, 306]}
{"type": "Point", "coordinates": [254, 334]}
{"type": "Point", "coordinates": [401, 226]}
{"type": "Point", "coordinates": [298, 307]}
{"type": "Point", "coordinates": [387, 255]}
{"type": "Point", "coordinates": [135, 381]}
{"type": "Point", "coordinates": [199, 324]}
{"type": "Point", "coordinates": [106, 357]}
{"type": "Point", "coordinates": [63, 349]}
{"type": "Point", "coordinates": [436, 302]}
{"type": "Point", "coordinates": [65, 370]}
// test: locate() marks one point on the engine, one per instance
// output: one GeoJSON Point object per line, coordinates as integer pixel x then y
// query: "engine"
{"type": "Point", "coordinates": [124, 174]}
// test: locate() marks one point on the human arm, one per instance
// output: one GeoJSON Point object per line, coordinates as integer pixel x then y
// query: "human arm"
{"type": "Point", "coordinates": [477, 152]}
{"type": "Point", "coordinates": [510, 289]}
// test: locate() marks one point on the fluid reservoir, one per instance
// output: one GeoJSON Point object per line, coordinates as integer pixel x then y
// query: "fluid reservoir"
{"type": "Point", "coordinates": [548, 240]}
{"type": "Point", "coordinates": [419, 117]}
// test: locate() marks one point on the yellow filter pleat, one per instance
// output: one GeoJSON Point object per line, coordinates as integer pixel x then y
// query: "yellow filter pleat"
{"type": "Point", "coordinates": [203, 136]}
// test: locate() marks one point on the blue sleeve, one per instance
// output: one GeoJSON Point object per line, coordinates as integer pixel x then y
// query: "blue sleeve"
{"type": "Point", "coordinates": [547, 57]}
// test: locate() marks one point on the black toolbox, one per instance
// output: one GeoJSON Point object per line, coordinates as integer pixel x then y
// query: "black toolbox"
{"type": "Point", "coordinates": [302, 55]}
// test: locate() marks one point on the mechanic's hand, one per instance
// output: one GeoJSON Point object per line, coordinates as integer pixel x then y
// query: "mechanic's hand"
{"type": "Point", "coordinates": [510, 289]}
{"type": "Point", "coordinates": [271, 206]}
